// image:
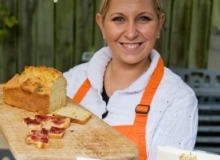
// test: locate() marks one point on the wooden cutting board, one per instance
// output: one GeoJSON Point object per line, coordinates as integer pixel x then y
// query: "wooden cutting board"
{"type": "Point", "coordinates": [95, 139]}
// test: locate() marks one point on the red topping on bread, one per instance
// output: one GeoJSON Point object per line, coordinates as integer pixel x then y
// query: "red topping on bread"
{"type": "Point", "coordinates": [56, 130]}
{"type": "Point", "coordinates": [56, 133]}
{"type": "Point", "coordinates": [39, 135]}
{"type": "Point", "coordinates": [38, 138]}
{"type": "Point", "coordinates": [30, 121]}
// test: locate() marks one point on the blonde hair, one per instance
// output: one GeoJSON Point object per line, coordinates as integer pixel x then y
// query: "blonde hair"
{"type": "Point", "coordinates": [104, 5]}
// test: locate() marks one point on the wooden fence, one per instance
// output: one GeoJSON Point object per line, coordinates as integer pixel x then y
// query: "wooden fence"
{"type": "Point", "coordinates": [56, 34]}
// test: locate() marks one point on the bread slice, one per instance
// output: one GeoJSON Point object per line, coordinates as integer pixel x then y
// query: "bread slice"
{"type": "Point", "coordinates": [56, 133]}
{"type": "Point", "coordinates": [38, 89]}
{"type": "Point", "coordinates": [46, 121]}
{"type": "Point", "coordinates": [74, 111]}
{"type": "Point", "coordinates": [61, 122]}
{"type": "Point", "coordinates": [45, 127]}
{"type": "Point", "coordinates": [51, 120]}
{"type": "Point", "coordinates": [32, 123]}
{"type": "Point", "coordinates": [38, 138]}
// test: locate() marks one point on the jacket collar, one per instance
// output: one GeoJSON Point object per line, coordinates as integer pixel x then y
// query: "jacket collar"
{"type": "Point", "coordinates": [98, 63]}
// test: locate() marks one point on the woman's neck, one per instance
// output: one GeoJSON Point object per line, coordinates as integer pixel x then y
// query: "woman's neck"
{"type": "Point", "coordinates": [119, 76]}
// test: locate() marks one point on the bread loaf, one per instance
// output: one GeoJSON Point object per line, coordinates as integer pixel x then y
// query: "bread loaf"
{"type": "Point", "coordinates": [38, 89]}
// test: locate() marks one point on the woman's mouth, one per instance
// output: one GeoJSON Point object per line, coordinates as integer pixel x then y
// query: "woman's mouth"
{"type": "Point", "coordinates": [131, 46]}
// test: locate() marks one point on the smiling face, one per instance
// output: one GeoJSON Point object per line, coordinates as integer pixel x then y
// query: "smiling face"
{"type": "Point", "coordinates": [131, 28]}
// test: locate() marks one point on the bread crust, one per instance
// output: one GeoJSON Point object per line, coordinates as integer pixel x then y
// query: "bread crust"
{"type": "Point", "coordinates": [33, 88]}
{"type": "Point", "coordinates": [40, 145]}
{"type": "Point", "coordinates": [56, 136]}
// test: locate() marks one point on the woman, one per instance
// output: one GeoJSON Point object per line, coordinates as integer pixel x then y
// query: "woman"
{"type": "Point", "coordinates": [127, 85]}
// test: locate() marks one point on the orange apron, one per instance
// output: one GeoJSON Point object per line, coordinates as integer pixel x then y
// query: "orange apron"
{"type": "Point", "coordinates": [135, 132]}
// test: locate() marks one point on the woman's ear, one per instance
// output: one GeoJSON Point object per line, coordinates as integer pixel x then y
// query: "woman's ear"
{"type": "Point", "coordinates": [99, 21]}
{"type": "Point", "coordinates": [160, 25]}
{"type": "Point", "coordinates": [161, 21]}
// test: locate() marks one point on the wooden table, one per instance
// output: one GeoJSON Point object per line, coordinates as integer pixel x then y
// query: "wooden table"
{"type": "Point", "coordinates": [95, 139]}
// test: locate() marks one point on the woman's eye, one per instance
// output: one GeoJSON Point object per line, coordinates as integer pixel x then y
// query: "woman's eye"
{"type": "Point", "coordinates": [118, 19]}
{"type": "Point", "coordinates": [144, 18]}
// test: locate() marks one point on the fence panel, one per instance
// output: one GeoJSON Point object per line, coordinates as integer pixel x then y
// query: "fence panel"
{"type": "Point", "coordinates": [64, 34]}
{"type": "Point", "coordinates": [26, 33]}
{"type": "Point", "coordinates": [162, 45]}
{"type": "Point", "coordinates": [214, 43]}
{"type": "Point", "coordinates": [98, 39]}
{"type": "Point", "coordinates": [84, 31]}
{"type": "Point", "coordinates": [44, 33]}
{"type": "Point", "coordinates": [8, 47]}
{"type": "Point", "coordinates": [179, 36]}
{"type": "Point", "coordinates": [198, 42]}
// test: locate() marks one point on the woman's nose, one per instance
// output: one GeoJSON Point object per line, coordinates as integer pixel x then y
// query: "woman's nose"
{"type": "Point", "coordinates": [131, 31]}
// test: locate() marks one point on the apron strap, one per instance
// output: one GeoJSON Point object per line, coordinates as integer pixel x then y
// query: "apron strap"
{"type": "Point", "coordinates": [80, 94]}
{"type": "Point", "coordinates": [143, 108]}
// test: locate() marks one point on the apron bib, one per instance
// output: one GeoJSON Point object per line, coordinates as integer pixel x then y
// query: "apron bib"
{"type": "Point", "coordinates": [135, 132]}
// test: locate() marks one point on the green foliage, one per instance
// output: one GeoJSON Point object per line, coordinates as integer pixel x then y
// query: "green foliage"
{"type": "Point", "coordinates": [7, 21]}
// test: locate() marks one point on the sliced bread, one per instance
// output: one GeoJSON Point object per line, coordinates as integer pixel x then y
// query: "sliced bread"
{"type": "Point", "coordinates": [74, 111]}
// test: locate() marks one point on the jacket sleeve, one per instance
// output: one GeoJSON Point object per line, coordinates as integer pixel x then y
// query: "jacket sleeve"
{"type": "Point", "coordinates": [178, 124]}
{"type": "Point", "coordinates": [74, 78]}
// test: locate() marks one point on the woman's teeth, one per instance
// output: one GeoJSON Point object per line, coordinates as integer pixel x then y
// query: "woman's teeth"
{"type": "Point", "coordinates": [131, 46]}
